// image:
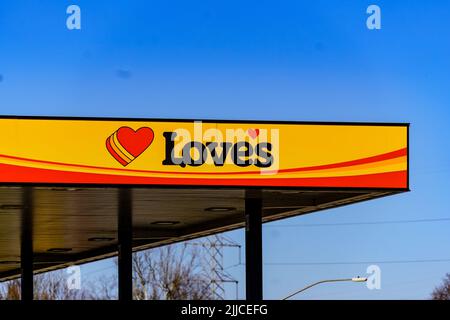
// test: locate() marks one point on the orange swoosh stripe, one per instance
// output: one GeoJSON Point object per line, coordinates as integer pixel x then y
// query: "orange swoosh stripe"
{"type": "Point", "coordinates": [373, 159]}
{"type": "Point", "coordinates": [19, 174]}
{"type": "Point", "coordinates": [377, 158]}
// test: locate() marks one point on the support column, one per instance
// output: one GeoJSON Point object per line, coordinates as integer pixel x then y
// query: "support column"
{"type": "Point", "coordinates": [125, 238]}
{"type": "Point", "coordinates": [253, 246]}
{"type": "Point", "coordinates": [26, 246]}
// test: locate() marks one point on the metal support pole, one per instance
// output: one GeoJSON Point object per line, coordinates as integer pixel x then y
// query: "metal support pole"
{"type": "Point", "coordinates": [253, 246]}
{"type": "Point", "coordinates": [125, 237]}
{"type": "Point", "coordinates": [26, 246]}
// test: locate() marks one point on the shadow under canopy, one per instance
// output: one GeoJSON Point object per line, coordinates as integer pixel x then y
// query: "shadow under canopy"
{"type": "Point", "coordinates": [74, 225]}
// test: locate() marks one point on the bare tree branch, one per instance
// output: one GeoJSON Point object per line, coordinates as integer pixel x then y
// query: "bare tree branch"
{"type": "Point", "coordinates": [442, 292]}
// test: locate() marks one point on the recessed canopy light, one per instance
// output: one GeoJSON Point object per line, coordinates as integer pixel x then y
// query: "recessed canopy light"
{"type": "Point", "coordinates": [101, 239]}
{"type": "Point", "coordinates": [220, 209]}
{"type": "Point", "coordinates": [165, 223]}
{"type": "Point", "coordinates": [287, 191]}
{"type": "Point", "coordinates": [65, 189]}
{"type": "Point", "coordinates": [59, 250]}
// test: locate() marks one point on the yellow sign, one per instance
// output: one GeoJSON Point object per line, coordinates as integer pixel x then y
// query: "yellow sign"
{"type": "Point", "coordinates": [203, 153]}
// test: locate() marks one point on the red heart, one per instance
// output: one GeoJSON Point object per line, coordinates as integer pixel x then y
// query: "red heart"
{"type": "Point", "coordinates": [253, 133]}
{"type": "Point", "coordinates": [135, 142]}
{"type": "Point", "coordinates": [125, 144]}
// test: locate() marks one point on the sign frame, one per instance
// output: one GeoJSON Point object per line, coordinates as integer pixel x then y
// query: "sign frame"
{"type": "Point", "coordinates": [209, 121]}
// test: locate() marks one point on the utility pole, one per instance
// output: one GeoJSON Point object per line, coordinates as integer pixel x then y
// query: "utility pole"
{"type": "Point", "coordinates": [214, 254]}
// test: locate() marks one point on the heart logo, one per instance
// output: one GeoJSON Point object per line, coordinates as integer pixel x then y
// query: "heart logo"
{"type": "Point", "coordinates": [125, 144]}
{"type": "Point", "coordinates": [253, 133]}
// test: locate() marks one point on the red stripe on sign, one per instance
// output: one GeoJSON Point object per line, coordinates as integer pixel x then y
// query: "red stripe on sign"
{"type": "Point", "coordinates": [19, 174]}
{"type": "Point", "coordinates": [377, 158]}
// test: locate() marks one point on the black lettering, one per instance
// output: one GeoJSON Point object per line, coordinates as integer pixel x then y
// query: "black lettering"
{"type": "Point", "coordinates": [170, 159]}
{"type": "Point", "coordinates": [187, 154]}
{"type": "Point", "coordinates": [263, 151]}
{"type": "Point", "coordinates": [218, 159]}
{"type": "Point", "coordinates": [241, 157]}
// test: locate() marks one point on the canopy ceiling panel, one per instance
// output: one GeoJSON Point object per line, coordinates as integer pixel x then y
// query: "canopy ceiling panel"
{"type": "Point", "coordinates": [75, 225]}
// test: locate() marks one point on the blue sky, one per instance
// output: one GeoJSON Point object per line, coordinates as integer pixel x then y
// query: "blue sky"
{"type": "Point", "coordinates": [276, 60]}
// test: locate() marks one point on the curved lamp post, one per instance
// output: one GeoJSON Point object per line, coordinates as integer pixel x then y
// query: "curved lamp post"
{"type": "Point", "coordinates": [357, 279]}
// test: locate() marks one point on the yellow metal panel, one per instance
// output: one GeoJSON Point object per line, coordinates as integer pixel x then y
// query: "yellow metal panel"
{"type": "Point", "coordinates": [256, 154]}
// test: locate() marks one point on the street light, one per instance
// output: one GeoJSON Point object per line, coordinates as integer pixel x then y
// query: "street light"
{"type": "Point", "coordinates": [356, 279]}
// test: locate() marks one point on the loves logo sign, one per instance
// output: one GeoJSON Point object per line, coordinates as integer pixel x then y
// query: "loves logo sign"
{"type": "Point", "coordinates": [236, 147]}
{"type": "Point", "coordinates": [204, 153]}
{"type": "Point", "coordinates": [126, 144]}
{"type": "Point", "coordinates": [182, 149]}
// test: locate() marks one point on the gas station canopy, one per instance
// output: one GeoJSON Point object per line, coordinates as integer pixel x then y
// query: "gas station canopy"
{"type": "Point", "coordinates": [185, 179]}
